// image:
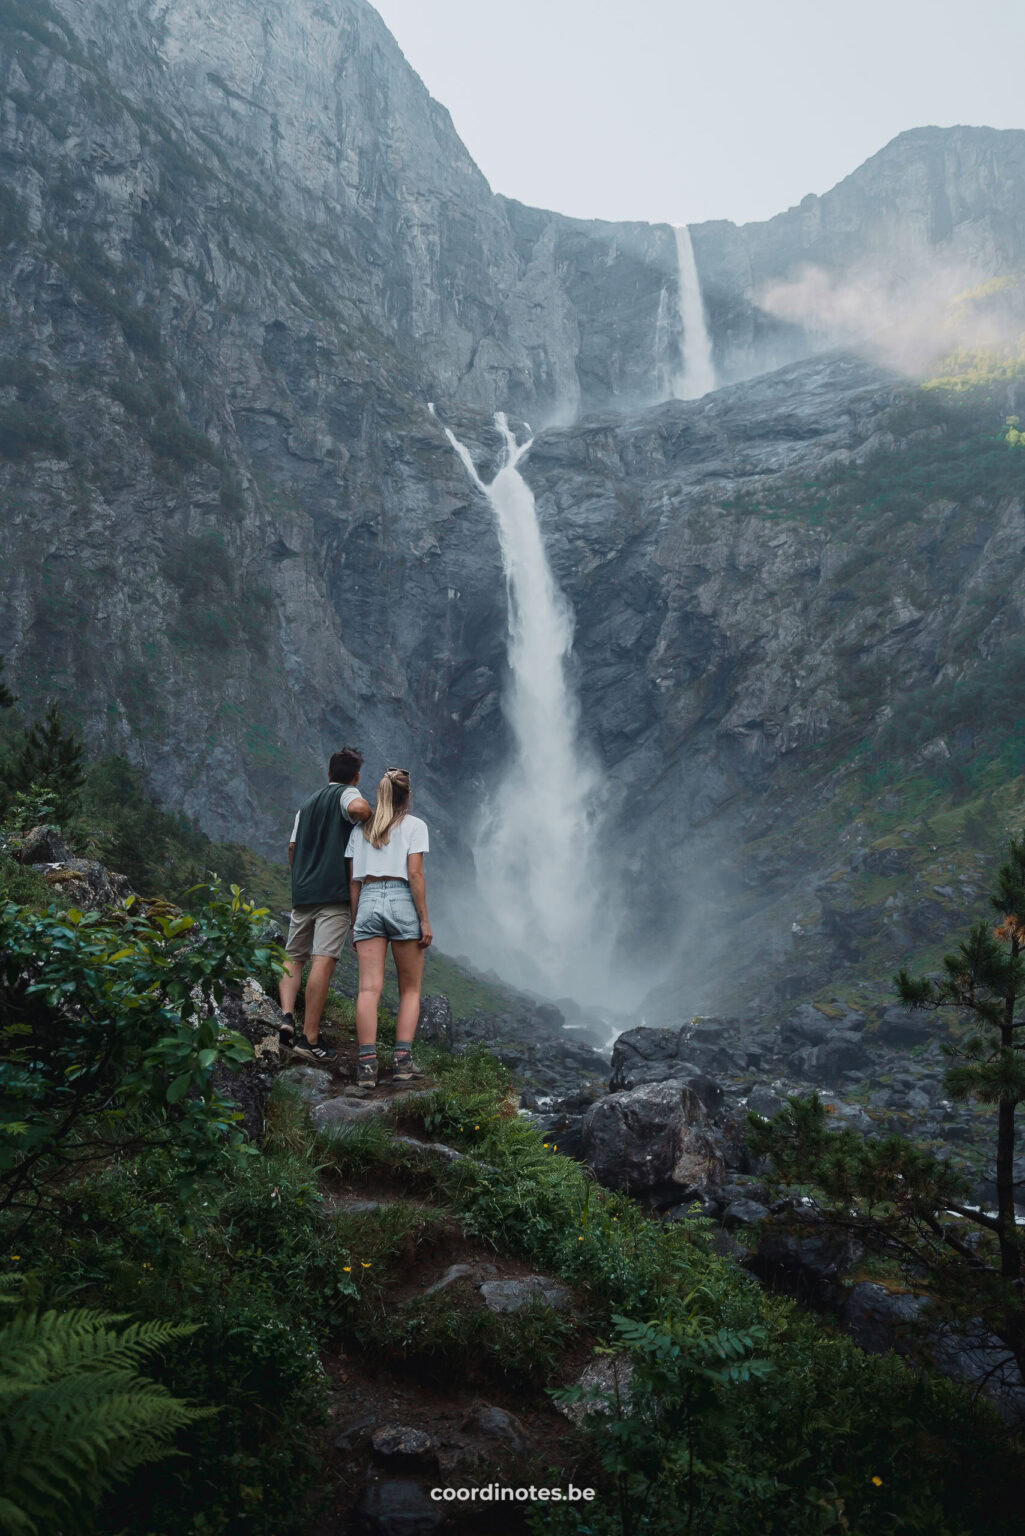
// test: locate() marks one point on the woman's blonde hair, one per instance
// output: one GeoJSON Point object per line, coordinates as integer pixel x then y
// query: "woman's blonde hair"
{"type": "Point", "coordinates": [392, 804]}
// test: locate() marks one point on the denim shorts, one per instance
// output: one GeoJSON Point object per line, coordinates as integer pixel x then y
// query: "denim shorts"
{"type": "Point", "coordinates": [386, 911]}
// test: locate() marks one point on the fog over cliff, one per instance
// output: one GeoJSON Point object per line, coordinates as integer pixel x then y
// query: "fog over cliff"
{"type": "Point", "coordinates": [243, 250]}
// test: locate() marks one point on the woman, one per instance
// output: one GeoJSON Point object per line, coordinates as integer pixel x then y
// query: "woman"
{"type": "Point", "coordinates": [389, 905]}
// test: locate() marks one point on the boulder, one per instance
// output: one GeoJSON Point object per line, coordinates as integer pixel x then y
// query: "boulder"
{"type": "Point", "coordinates": [605, 1380]}
{"type": "Point", "coordinates": [839, 1054]}
{"type": "Point", "coordinates": [762, 1101]}
{"type": "Point", "coordinates": [563, 1133]}
{"type": "Point", "coordinates": [652, 1139]}
{"type": "Point", "coordinates": [908, 1026]}
{"type": "Point", "coordinates": [743, 1213]}
{"type": "Point", "coordinates": [798, 1253]}
{"type": "Point", "coordinates": [397, 1507]}
{"type": "Point", "coordinates": [497, 1425]}
{"type": "Point", "coordinates": [85, 883]}
{"type": "Point", "coordinates": [310, 1083]}
{"type": "Point", "coordinates": [807, 1026]}
{"type": "Point", "coordinates": [44, 845]}
{"type": "Point", "coordinates": [401, 1443]}
{"type": "Point", "coordinates": [687, 1210]}
{"type": "Point", "coordinates": [528, 1290]}
{"type": "Point", "coordinates": [878, 1320]}
{"type": "Point", "coordinates": [645, 1055]}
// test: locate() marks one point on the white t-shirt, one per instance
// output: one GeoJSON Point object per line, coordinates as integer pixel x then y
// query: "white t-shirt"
{"type": "Point", "coordinates": [345, 799]}
{"type": "Point", "coordinates": [410, 836]}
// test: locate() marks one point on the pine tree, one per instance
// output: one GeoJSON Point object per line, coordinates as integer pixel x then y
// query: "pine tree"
{"type": "Point", "coordinates": [986, 978]}
{"type": "Point", "coordinates": [900, 1199]}
{"type": "Point", "coordinates": [50, 758]}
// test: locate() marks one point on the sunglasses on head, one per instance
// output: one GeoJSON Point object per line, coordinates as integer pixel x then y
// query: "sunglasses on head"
{"type": "Point", "coordinates": [398, 770]}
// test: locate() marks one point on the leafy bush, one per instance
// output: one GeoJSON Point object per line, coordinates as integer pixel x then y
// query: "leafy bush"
{"type": "Point", "coordinates": [110, 1037]}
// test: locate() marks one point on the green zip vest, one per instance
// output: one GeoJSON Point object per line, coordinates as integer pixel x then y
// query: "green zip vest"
{"type": "Point", "coordinates": [319, 874]}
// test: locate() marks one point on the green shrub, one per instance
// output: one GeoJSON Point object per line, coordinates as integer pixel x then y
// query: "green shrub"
{"type": "Point", "coordinates": [75, 1415]}
{"type": "Point", "coordinates": [108, 1032]}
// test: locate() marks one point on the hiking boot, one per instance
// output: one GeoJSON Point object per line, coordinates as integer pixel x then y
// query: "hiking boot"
{"type": "Point", "coordinates": [315, 1050]}
{"type": "Point", "coordinates": [404, 1068]}
{"type": "Point", "coordinates": [286, 1034]}
{"type": "Point", "coordinates": [366, 1078]}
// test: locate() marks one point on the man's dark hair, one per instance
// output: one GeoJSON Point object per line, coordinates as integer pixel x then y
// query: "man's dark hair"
{"type": "Point", "coordinates": [344, 765]}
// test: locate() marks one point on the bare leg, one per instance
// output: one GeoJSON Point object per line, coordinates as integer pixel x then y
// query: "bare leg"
{"type": "Point", "coordinates": [371, 954]}
{"type": "Point", "coordinates": [288, 986]}
{"type": "Point", "coordinates": [409, 963]}
{"type": "Point", "coordinates": [316, 995]}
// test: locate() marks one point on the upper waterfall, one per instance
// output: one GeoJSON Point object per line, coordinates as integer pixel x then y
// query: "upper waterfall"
{"type": "Point", "coordinates": [697, 375]}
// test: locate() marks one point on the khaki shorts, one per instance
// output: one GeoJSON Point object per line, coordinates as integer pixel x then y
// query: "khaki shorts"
{"type": "Point", "coordinates": [317, 931]}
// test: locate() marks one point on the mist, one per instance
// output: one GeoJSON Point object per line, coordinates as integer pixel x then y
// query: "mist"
{"type": "Point", "coordinates": [910, 322]}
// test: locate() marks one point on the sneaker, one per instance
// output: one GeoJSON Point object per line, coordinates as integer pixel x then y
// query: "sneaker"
{"type": "Point", "coordinates": [404, 1068]}
{"type": "Point", "coordinates": [286, 1034]}
{"type": "Point", "coordinates": [316, 1050]}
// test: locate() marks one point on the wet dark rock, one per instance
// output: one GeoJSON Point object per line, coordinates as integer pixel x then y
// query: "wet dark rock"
{"type": "Point", "coordinates": [564, 1133]}
{"type": "Point", "coordinates": [879, 1319]}
{"type": "Point", "coordinates": [85, 883]}
{"type": "Point", "coordinates": [650, 1139]}
{"type": "Point", "coordinates": [311, 1083]}
{"type": "Point", "coordinates": [397, 1507]}
{"type": "Point", "coordinates": [838, 1055]}
{"type": "Point", "coordinates": [401, 1443]}
{"type": "Point", "coordinates": [798, 1252]}
{"type": "Point", "coordinates": [743, 1213]}
{"type": "Point", "coordinates": [452, 1274]}
{"type": "Point", "coordinates": [645, 1055]}
{"type": "Point", "coordinates": [44, 845]}
{"type": "Point", "coordinates": [497, 1425]}
{"type": "Point", "coordinates": [905, 1027]}
{"type": "Point", "coordinates": [806, 1025]}
{"type": "Point", "coordinates": [762, 1101]}
{"type": "Point", "coordinates": [354, 1434]}
{"type": "Point", "coordinates": [687, 1210]}
{"type": "Point", "coordinates": [514, 1295]}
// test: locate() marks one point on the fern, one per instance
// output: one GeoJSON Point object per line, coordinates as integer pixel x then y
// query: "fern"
{"type": "Point", "coordinates": [75, 1415]}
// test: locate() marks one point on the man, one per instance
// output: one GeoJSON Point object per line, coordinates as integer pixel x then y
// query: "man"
{"type": "Point", "coordinates": [320, 897]}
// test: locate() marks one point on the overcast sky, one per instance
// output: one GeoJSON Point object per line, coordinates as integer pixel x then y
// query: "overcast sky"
{"type": "Point", "coordinates": [683, 110]}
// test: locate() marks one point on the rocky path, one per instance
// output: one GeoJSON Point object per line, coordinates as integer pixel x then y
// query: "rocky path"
{"type": "Point", "coordinates": [400, 1427]}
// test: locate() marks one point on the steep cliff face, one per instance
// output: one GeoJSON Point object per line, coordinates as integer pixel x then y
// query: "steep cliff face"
{"type": "Point", "coordinates": [241, 249]}
{"type": "Point", "coordinates": [935, 212]}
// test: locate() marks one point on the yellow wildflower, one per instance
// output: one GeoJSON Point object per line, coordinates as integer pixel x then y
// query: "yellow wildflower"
{"type": "Point", "coordinates": [878, 1482]}
{"type": "Point", "coordinates": [347, 1268]}
{"type": "Point", "coordinates": [366, 1263]}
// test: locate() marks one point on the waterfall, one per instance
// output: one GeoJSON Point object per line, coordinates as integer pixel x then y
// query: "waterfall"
{"type": "Point", "coordinates": [533, 914]}
{"type": "Point", "coordinates": [697, 376]}
{"type": "Point", "coordinates": [664, 379]}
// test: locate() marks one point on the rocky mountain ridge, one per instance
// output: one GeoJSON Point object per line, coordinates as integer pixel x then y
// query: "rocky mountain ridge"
{"type": "Point", "coordinates": [241, 251]}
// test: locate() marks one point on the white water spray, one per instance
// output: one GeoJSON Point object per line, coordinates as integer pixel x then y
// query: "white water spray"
{"type": "Point", "coordinates": [533, 914]}
{"type": "Point", "coordinates": [697, 375]}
